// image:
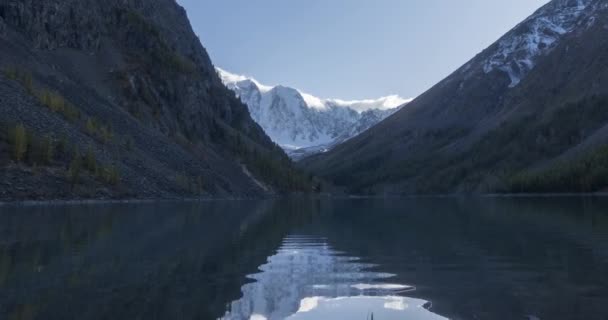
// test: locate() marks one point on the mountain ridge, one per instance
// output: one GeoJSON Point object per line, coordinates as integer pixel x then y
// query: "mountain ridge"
{"type": "Point", "coordinates": [304, 124]}
{"type": "Point", "coordinates": [478, 130]}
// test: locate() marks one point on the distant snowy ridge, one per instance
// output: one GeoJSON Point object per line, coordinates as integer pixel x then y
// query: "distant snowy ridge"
{"type": "Point", "coordinates": [299, 121]}
{"type": "Point", "coordinates": [384, 103]}
{"type": "Point", "coordinates": [518, 50]}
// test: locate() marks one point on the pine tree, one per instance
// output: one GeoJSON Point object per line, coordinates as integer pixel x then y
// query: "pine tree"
{"type": "Point", "coordinates": [90, 162]}
{"type": "Point", "coordinates": [91, 126]}
{"type": "Point", "coordinates": [75, 168]}
{"type": "Point", "coordinates": [19, 142]}
{"type": "Point", "coordinates": [49, 149]}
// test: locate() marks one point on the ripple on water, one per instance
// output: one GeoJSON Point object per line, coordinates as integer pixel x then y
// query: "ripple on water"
{"type": "Point", "coordinates": [308, 279]}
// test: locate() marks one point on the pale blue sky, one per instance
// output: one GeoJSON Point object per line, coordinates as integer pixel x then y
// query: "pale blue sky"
{"type": "Point", "coordinates": [351, 49]}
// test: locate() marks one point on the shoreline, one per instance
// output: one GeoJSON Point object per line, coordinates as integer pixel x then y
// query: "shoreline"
{"type": "Point", "coordinates": [59, 202]}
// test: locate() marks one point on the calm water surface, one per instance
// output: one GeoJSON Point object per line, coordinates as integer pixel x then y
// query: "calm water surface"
{"type": "Point", "coordinates": [436, 258]}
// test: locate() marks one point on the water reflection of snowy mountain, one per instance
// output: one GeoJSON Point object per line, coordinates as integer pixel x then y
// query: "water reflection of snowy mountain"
{"type": "Point", "coordinates": [308, 279]}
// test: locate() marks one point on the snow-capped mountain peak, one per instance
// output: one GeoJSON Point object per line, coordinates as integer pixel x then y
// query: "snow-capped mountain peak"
{"type": "Point", "coordinates": [234, 79]}
{"type": "Point", "coordinates": [296, 120]}
{"type": "Point", "coordinates": [517, 52]}
{"type": "Point", "coordinates": [312, 101]}
{"type": "Point", "coordinates": [383, 103]}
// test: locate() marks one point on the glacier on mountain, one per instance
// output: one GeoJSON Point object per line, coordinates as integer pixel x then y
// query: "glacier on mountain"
{"type": "Point", "coordinates": [303, 124]}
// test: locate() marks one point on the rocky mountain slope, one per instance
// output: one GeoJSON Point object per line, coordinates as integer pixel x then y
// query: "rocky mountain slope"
{"type": "Point", "coordinates": [107, 99]}
{"type": "Point", "coordinates": [303, 124]}
{"type": "Point", "coordinates": [528, 114]}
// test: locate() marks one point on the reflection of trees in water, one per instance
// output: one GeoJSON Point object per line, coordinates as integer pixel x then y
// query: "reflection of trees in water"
{"type": "Point", "coordinates": [132, 260]}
